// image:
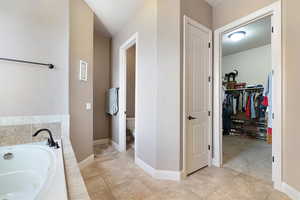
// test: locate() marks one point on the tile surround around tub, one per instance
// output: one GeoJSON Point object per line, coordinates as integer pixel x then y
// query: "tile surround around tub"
{"type": "Point", "coordinates": [22, 134]}
{"type": "Point", "coordinates": [19, 130]}
{"type": "Point", "coordinates": [11, 135]}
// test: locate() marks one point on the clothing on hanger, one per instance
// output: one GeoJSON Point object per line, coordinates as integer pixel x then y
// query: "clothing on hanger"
{"type": "Point", "coordinates": [253, 112]}
{"type": "Point", "coordinates": [248, 107]}
{"type": "Point", "coordinates": [244, 101]}
{"type": "Point", "coordinates": [268, 100]}
{"type": "Point", "coordinates": [234, 104]}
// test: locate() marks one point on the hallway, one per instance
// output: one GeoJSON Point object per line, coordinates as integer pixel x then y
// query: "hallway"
{"type": "Point", "coordinates": [114, 176]}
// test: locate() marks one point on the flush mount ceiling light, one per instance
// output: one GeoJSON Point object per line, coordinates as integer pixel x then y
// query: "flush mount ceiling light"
{"type": "Point", "coordinates": [237, 36]}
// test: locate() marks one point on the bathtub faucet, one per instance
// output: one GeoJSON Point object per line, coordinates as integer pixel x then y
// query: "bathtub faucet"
{"type": "Point", "coordinates": [51, 141]}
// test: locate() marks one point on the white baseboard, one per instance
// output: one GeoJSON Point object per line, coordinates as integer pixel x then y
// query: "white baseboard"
{"type": "Point", "coordinates": [147, 168]}
{"type": "Point", "coordinates": [116, 146]}
{"type": "Point", "coordinates": [86, 162]}
{"type": "Point", "coordinates": [215, 163]}
{"type": "Point", "coordinates": [290, 191]}
{"type": "Point", "coordinates": [101, 141]}
{"type": "Point", "coordinates": [158, 174]}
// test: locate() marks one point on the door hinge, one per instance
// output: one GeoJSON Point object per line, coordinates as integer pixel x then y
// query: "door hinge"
{"type": "Point", "coordinates": [273, 159]}
{"type": "Point", "coordinates": [209, 113]}
{"type": "Point", "coordinates": [209, 147]}
{"type": "Point", "coordinates": [273, 72]}
{"type": "Point", "coordinates": [209, 45]}
{"type": "Point", "coordinates": [209, 79]}
{"type": "Point", "coordinates": [272, 29]}
{"type": "Point", "coordinates": [273, 115]}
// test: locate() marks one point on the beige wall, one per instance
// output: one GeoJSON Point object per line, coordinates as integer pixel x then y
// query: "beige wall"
{"type": "Point", "coordinates": [81, 48]}
{"type": "Point", "coordinates": [230, 10]}
{"type": "Point", "coordinates": [291, 50]}
{"type": "Point", "coordinates": [168, 88]}
{"type": "Point", "coordinates": [159, 91]}
{"type": "Point", "coordinates": [101, 84]}
{"type": "Point", "coordinates": [30, 31]}
{"type": "Point", "coordinates": [198, 10]}
{"type": "Point", "coordinates": [145, 23]}
{"type": "Point", "coordinates": [130, 84]}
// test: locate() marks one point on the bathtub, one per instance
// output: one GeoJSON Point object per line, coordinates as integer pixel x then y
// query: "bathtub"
{"type": "Point", "coordinates": [32, 172]}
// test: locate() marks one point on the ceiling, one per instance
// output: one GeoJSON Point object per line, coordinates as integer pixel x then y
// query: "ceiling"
{"type": "Point", "coordinates": [213, 2]}
{"type": "Point", "coordinates": [112, 14]}
{"type": "Point", "coordinates": [257, 34]}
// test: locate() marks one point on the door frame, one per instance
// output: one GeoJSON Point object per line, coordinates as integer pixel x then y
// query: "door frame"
{"type": "Point", "coordinates": [273, 10]}
{"type": "Point", "coordinates": [187, 20]}
{"type": "Point", "coordinates": [133, 40]}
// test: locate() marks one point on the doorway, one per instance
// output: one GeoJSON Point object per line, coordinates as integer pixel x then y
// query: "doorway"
{"type": "Point", "coordinates": [197, 100]}
{"type": "Point", "coordinates": [128, 96]}
{"type": "Point", "coordinates": [244, 76]}
{"type": "Point", "coordinates": [246, 85]}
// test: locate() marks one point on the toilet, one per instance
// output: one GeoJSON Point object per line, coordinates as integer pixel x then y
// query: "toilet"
{"type": "Point", "coordinates": [130, 124]}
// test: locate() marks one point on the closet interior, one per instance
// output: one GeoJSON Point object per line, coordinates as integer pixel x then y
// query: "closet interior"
{"type": "Point", "coordinates": [247, 99]}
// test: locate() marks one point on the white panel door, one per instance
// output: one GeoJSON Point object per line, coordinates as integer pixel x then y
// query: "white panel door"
{"type": "Point", "coordinates": [197, 97]}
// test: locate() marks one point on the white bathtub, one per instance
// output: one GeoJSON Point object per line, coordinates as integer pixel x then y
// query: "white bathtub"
{"type": "Point", "coordinates": [35, 172]}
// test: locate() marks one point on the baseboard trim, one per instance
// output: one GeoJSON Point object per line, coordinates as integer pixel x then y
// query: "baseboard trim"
{"type": "Point", "coordinates": [147, 168]}
{"type": "Point", "coordinates": [86, 162]}
{"type": "Point", "coordinates": [290, 191]}
{"type": "Point", "coordinates": [116, 146]}
{"type": "Point", "coordinates": [215, 163]}
{"type": "Point", "coordinates": [158, 174]}
{"type": "Point", "coordinates": [101, 141]}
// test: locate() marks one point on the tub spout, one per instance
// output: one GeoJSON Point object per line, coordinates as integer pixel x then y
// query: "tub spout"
{"type": "Point", "coordinates": [51, 141]}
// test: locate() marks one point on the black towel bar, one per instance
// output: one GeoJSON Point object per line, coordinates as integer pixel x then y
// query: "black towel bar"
{"type": "Point", "coordinates": [50, 66]}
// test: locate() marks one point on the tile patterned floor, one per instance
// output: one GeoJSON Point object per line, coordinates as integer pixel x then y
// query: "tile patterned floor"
{"type": "Point", "coordinates": [248, 156]}
{"type": "Point", "coordinates": [114, 176]}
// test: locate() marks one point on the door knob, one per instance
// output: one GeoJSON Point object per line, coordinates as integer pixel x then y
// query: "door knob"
{"type": "Point", "coordinates": [191, 118]}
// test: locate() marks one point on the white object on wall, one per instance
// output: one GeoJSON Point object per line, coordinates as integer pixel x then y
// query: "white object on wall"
{"type": "Point", "coordinates": [83, 71]}
{"type": "Point", "coordinates": [253, 65]}
{"type": "Point", "coordinates": [88, 106]}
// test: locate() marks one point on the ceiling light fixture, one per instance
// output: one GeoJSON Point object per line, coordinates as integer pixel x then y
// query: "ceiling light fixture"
{"type": "Point", "coordinates": [237, 36]}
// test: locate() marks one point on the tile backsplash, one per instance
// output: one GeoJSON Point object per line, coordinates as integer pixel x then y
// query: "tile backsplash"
{"type": "Point", "coordinates": [22, 134]}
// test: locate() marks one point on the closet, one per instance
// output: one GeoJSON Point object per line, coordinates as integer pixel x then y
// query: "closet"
{"type": "Point", "coordinates": [244, 111]}
{"type": "Point", "coordinates": [247, 99]}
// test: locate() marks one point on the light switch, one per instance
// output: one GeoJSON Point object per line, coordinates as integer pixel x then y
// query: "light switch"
{"type": "Point", "coordinates": [83, 71]}
{"type": "Point", "coordinates": [88, 106]}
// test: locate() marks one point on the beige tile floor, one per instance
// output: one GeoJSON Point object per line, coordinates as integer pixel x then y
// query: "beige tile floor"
{"type": "Point", "coordinates": [248, 156]}
{"type": "Point", "coordinates": [114, 176]}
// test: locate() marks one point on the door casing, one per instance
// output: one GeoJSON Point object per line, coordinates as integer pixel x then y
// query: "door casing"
{"type": "Point", "coordinates": [133, 40]}
{"type": "Point", "coordinates": [273, 10]}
